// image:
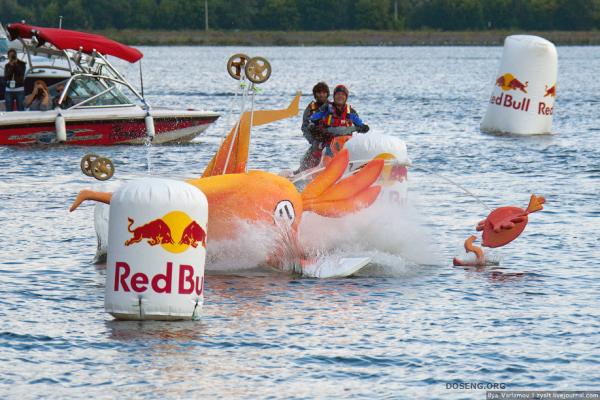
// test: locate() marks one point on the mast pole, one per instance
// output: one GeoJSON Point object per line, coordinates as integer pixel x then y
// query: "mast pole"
{"type": "Point", "coordinates": [206, 15]}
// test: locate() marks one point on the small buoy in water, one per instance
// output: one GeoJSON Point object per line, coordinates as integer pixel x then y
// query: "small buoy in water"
{"type": "Point", "coordinates": [156, 251]}
{"type": "Point", "coordinates": [61, 128]}
{"type": "Point", "coordinates": [502, 226]}
{"type": "Point", "coordinates": [522, 100]}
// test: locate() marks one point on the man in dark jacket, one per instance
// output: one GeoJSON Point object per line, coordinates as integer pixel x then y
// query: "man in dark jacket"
{"type": "Point", "coordinates": [313, 155]}
{"type": "Point", "coordinates": [14, 76]}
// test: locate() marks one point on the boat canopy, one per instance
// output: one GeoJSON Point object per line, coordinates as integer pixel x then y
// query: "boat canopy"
{"type": "Point", "coordinates": [64, 39]}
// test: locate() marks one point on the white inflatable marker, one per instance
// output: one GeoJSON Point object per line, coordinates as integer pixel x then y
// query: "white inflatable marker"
{"type": "Point", "coordinates": [394, 177]}
{"type": "Point", "coordinates": [522, 100]}
{"type": "Point", "coordinates": [156, 250]}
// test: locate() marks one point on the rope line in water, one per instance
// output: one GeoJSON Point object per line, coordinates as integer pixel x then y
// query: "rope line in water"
{"type": "Point", "coordinates": [488, 208]}
{"type": "Point", "coordinates": [465, 190]}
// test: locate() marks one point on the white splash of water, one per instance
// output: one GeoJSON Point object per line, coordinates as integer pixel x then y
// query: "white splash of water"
{"type": "Point", "coordinates": [250, 248]}
{"type": "Point", "coordinates": [390, 234]}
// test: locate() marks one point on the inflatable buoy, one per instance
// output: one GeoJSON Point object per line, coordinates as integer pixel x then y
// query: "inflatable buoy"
{"type": "Point", "coordinates": [394, 176]}
{"type": "Point", "coordinates": [366, 147]}
{"type": "Point", "coordinates": [522, 99]}
{"type": "Point", "coordinates": [156, 250]}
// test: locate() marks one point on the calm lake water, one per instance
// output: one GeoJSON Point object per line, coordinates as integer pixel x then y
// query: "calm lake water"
{"type": "Point", "coordinates": [406, 329]}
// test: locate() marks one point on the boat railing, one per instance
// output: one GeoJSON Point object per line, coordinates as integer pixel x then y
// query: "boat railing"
{"type": "Point", "coordinates": [93, 65]}
{"type": "Point", "coordinates": [41, 67]}
{"type": "Point", "coordinates": [117, 73]}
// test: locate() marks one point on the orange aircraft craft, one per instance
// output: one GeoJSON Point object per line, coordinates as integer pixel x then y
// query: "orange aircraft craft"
{"type": "Point", "coordinates": [235, 194]}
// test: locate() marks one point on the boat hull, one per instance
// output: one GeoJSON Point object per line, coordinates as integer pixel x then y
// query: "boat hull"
{"type": "Point", "coordinates": [103, 126]}
{"type": "Point", "coordinates": [106, 132]}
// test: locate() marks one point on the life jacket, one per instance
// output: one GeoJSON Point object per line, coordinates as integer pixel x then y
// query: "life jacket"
{"type": "Point", "coordinates": [313, 106]}
{"type": "Point", "coordinates": [333, 119]}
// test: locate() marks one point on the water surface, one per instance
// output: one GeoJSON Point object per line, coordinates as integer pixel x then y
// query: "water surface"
{"type": "Point", "coordinates": [404, 331]}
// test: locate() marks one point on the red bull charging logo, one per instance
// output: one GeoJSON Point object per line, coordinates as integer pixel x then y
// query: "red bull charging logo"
{"type": "Point", "coordinates": [175, 232]}
{"type": "Point", "coordinates": [391, 172]}
{"type": "Point", "coordinates": [509, 82]}
{"type": "Point", "coordinates": [550, 91]}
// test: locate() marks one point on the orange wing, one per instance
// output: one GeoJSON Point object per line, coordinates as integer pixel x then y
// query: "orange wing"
{"type": "Point", "coordinates": [330, 198]}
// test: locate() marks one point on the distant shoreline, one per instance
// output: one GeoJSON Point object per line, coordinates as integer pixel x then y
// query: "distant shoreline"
{"type": "Point", "coordinates": [340, 38]}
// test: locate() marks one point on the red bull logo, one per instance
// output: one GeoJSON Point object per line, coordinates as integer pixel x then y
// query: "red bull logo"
{"type": "Point", "coordinates": [509, 82]}
{"type": "Point", "coordinates": [543, 108]}
{"type": "Point", "coordinates": [163, 231]}
{"type": "Point", "coordinates": [392, 172]}
{"type": "Point", "coordinates": [550, 91]}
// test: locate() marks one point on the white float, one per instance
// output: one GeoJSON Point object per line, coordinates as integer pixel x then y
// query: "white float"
{"type": "Point", "coordinates": [156, 250]}
{"type": "Point", "coordinates": [363, 148]}
{"type": "Point", "coordinates": [149, 121]}
{"type": "Point", "coordinates": [522, 100]}
{"type": "Point", "coordinates": [61, 128]}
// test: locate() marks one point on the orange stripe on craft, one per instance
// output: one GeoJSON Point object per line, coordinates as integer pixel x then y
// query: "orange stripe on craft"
{"type": "Point", "coordinates": [341, 208]}
{"type": "Point", "coordinates": [354, 184]}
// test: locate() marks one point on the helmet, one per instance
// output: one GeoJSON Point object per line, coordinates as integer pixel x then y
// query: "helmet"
{"type": "Point", "coordinates": [341, 88]}
{"type": "Point", "coordinates": [320, 87]}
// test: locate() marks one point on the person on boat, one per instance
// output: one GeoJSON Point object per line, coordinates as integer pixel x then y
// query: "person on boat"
{"type": "Point", "coordinates": [67, 101]}
{"type": "Point", "coordinates": [14, 76]}
{"type": "Point", "coordinates": [39, 99]}
{"type": "Point", "coordinates": [313, 155]}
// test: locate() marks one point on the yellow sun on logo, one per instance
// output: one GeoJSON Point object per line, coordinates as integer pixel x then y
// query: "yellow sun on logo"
{"type": "Point", "coordinates": [177, 222]}
{"type": "Point", "coordinates": [387, 168]}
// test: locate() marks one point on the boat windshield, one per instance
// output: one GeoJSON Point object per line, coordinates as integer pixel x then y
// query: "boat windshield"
{"type": "Point", "coordinates": [88, 91]}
